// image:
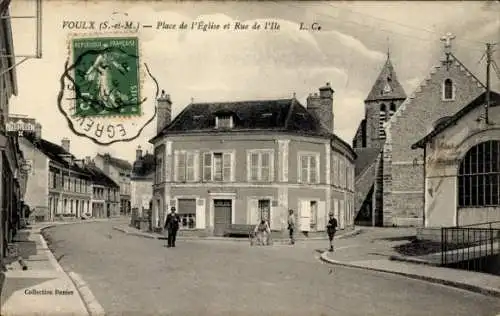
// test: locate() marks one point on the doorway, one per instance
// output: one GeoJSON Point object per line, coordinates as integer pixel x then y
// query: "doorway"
{"type": "Point", "coordinates": [222, 216]}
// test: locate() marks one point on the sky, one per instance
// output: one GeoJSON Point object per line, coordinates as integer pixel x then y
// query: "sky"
{"type": "Point", "coordinates": [225, 65]}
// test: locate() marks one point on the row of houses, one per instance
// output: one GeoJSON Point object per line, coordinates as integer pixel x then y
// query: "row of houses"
{"type": "Point", "coordinates": [60, 185]}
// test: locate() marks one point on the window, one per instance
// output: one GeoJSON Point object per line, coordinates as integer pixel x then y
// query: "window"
{"type": "Point", "coordinates": [186, 208]}
{"type": "Point", "coordinates": [159, 169]}
{"type": "Point", "coordinates": [260, 165]}
{"type": "Point", "coordinates": [382, 119]}
{"type": "Point", "coordinates": [224, 121]}
{"type": "Point", "coordinates": [217, 166]}
{"type": "Point", "coordinates": [308, 168]}
{"type": "Point", "coordinates": [479, 176]}
{"type": "Point", "coordinates": [185, 166]}
{"type": "Point", "coordinates": [392, 109]}
{"type": "Point", "coordinates": [448, 90]}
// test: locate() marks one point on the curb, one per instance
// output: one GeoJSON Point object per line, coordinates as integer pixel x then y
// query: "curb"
{"type": "Point", "coordinates": [413, 260]}
{"type": "Point", "coordinates": [89, 301]}
{"type": "Point", "coordinates": [464, 286]}
{"type": "Point", "coordinates": [93, 306]}
{"type": "Point", "coordinates": [355, 232]}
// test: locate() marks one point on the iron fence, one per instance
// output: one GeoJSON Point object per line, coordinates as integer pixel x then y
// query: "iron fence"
{"type": "Point", "coordinates": [470, 247]}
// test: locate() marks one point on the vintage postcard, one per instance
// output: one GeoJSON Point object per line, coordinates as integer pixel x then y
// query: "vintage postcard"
{"type": "Point", "coordinates": [249, 157]}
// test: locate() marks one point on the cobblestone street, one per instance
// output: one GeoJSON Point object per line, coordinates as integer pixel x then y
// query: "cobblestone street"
{"type": "Point", "coordinates": [134, 275]}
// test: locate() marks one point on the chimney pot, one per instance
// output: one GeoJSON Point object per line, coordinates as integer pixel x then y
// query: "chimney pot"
{"type": "Point", "coordinates": [65, 144]}
{"type": "Point", "coordinates": [138, 153]}
{"type": "Point", "coordinates": [164, 111]}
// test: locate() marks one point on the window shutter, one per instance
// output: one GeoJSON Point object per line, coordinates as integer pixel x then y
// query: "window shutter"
{"type": "Point", "coordinates": [285, 164]}
{"type": "Point", "coordinates": [271, 166]}
{"type": "Point", "coordinates": [176, 166]}
{"type": "Point", "coordinates": [249, 166]}
{"type": "Point", "coordinates": [275, 218]}
{"type": "Point", "coordinates": [207, 166]}
{"type": "Point", "coordinates": [226, 167]}
{"type": "Point", "coordinates": [233, 167]}
{"type": "Point", "coordinates": [200, 214]}
{"type": "Point", "coordinates": [253, 209]}
{"type": "Point", "coordinates": [321, 216]}
{"type": "Point", "coordinates": [305, 215]}
{"type": "Point", "coordinates": [196, 166]}
{"type": "Point", "coordinates": [342, 214]}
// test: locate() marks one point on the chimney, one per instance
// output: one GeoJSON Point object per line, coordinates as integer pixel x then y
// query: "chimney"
{"type": "Point", "coordinates": [164, 111]}
{"type": "Point", "coordinates": [88, 160]}
{"type": "Point", "coordinates": [65, 144]}
{"type": "Point", "coordinates": [38, 131]}
{"type": "Point", "coordinates": [321, 107]}
{"type": "Point", "coordinates": [138, 153]}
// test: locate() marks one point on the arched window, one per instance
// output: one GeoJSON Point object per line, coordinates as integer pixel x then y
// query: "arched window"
{"type": "Point", "coordinates": [479, 176]}
{"type": "Point", "coordinates": [448, 90]}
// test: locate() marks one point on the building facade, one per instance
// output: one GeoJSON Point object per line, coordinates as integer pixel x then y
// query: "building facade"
{"type": "Point", "coordinates": [58, 184]}
{"type": "Point", "coordinates": [141, 182]}
{"type": "Point", "coordinates": [397, 194]}
{"type": "Point", "coordinates": [462, 166]}
{"type": "Point", "coordinates": [12, 179]}
{"type": "Point", "coordinates": [119, 171]}
{"type": "Point", "coordinates": [105, 193]}
{"type": "Point", "coordinates": [237, 162]}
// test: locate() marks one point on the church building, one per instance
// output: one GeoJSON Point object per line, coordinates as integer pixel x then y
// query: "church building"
{"type": "Point", "coordinates": [390, 178]}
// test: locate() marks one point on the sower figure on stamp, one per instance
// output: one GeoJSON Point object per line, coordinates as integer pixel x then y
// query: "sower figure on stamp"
{"type": "Point", "coordinates": [172, 226]}
{"type": "Point", "coordinates": [291, 225]}
{"type": "Point", "coordinates": [331, 228]}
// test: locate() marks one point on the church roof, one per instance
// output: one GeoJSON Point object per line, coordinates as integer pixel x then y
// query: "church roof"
{"type": "Point", "coordinates": [365, 158]}
{"type": "Point", "coordinates": [479, 101]}
{"type": "Point", "coordinates": [387, 86]}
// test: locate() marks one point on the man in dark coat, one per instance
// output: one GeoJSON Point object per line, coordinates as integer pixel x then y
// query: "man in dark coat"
{"type": "Point", "coordinates": [172, 226]}
{"type": "Point", "coordinates": [331, 228]}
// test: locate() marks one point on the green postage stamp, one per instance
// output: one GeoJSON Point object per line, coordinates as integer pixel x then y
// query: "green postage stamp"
{"type": "Point", "coordinates": [107, 94]}
{"type": "Point", "coordinates": [106, 76]}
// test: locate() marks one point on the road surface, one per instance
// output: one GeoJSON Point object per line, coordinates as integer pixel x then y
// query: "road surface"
{"type": "Point", "coordinates": [137, 276]}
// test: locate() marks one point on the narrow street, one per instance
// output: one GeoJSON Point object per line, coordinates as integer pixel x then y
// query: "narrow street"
{"type": "Point", "coordinates": [133, 275]}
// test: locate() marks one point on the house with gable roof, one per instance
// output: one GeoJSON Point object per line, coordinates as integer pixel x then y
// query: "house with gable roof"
{"type": "Point", "coordinates": [119, 171]}
{"type": "Point", "coordinates": [233, 163]}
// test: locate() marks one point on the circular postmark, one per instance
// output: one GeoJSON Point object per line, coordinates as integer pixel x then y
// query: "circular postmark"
{"type": "Point", "coordinates": [107, 94]}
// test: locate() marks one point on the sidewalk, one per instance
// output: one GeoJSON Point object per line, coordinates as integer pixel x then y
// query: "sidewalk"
{"type": "Point", "coordinates": [135, 232]}
{"type": "Point", "coordinates": [379, 256]}
{"type": "Point", "coordinates": [44, 288]}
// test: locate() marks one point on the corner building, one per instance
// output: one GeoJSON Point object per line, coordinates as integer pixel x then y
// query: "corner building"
{"type": "Point", "coordinates": [236, 162]}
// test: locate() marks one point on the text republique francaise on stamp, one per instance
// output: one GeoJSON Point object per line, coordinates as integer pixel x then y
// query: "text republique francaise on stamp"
{"type": "Point", "coordinates": [107, 94]}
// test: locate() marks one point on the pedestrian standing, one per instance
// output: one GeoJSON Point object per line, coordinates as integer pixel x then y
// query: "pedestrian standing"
{"type": "Point", "coordinates": [291, 225]}
{"type": "Point", "coordinates": [331, 228]}
{"type": "Point", "coordinates": [172, 226]}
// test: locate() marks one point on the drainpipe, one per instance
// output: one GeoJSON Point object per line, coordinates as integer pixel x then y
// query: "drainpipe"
{"type": "Point", "coordinates": [425, 183]}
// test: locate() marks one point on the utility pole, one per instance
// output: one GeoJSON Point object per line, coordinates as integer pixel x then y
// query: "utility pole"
{"type": "Point", "coordinates": [488, 65]}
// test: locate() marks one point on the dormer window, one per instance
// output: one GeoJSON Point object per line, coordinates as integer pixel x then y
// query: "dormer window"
{"type": "Point", "coordinates": [448, 92]}
{"type": "Point", "coordinates": [224, 121]}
